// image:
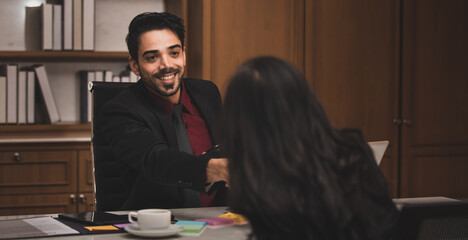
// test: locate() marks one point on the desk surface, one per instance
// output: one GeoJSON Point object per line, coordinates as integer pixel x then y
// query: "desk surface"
{"type": "Point", "coordinates": [227, 233]}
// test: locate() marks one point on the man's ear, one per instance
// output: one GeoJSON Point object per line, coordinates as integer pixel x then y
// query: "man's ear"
{"type": "Point", "coordinates": [134, 66]}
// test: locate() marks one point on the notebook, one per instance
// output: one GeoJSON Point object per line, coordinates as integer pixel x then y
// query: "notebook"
{"type": "Point", "coordinates": [378, 148]}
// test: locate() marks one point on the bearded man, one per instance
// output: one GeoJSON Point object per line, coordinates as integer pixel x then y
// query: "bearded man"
{"type": "Point", "coordinates": [162, 129]}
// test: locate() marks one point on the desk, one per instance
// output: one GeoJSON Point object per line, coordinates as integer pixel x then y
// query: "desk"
{"type": "Point", "coordinates": [228, 233]}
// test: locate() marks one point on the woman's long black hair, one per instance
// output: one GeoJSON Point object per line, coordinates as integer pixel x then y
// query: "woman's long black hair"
{"type": "Point", "coordinates": [291, 173]}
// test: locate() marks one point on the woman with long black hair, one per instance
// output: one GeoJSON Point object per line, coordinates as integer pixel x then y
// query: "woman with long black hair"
{"type": "Point", "coordinates": [291, 173]}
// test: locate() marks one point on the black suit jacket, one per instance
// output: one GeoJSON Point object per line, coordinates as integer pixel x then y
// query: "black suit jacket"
{"type": "Point", "coordinates": [143, 139]}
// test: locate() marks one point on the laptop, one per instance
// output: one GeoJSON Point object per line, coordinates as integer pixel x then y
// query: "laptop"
{"type": "Point", "coordinates": [378, 148]}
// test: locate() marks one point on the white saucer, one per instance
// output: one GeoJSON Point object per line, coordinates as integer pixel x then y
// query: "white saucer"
{"type": "Point", "coordinates": [171, 230]}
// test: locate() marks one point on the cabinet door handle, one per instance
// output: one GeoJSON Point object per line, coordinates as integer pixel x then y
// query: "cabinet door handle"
{"type": "Point", "coordinates": [397, 121]}
{"type": "Point", "coordinates": [16, 157]}
{"type": "Point", "coordinates": [72, 198]}
{"type": "Point", "coordinates": [82, 198]}
{"type": "Point", "coordinates": [407, 123]}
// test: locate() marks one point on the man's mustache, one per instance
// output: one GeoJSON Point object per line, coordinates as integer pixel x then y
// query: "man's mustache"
{"type": "Point", "coordinates": [166, 71]}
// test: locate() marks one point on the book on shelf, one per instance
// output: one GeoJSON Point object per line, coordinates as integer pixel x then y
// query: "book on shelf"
{"type": "Point", "coordinates": [22, 95]}
{"type": "Point", "coordinates": [115, 79]}
{"type": "Point", "coordinates": [32, 29]}
{"type": "Point", "coordinates": [49, 100]}
{"type": "Point", "coordinates": [108, 76]}
{"type": "Point", "coordinates": [88, 24]}
{"type": "Point", "coordinates": [99, 76]}
{"type": "Point", "coordinates": [133, 77]}
{"type": "Point", "coordinates": [3, 99]}
{"type": "Point", "coordinates": [125, 78]}
{"type": "Point", "coordinates": [57, 27]}
{"type": "Point", "coordinates": [47, 26]}
{"type": "Point", "coordinates": [31, 99]}
{"type": "Point", "coordinates": [77, 25]}
{"type": "Point", "coordinates": [67, 24]}
{"type": "Point", "coordinates": [86, 77]}
{"type": "Point", "coordinates": [11, 73]}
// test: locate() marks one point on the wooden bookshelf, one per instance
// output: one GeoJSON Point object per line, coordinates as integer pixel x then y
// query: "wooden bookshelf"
{"type": "Point", "coordinates": [71, 132]}
{"type": "Point", "coordinates": [69, 56]}
{"type": "Point", "coordinates": [47, 167]}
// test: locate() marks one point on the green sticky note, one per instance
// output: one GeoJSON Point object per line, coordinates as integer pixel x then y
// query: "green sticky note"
{"type": "Point", "coordinates": [192, 228]}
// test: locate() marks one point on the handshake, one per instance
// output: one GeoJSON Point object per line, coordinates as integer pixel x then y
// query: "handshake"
{"type": "Point", "coordinates": [217, 168]}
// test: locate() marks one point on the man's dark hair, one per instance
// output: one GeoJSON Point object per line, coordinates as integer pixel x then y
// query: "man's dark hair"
{"type": "Point", "coordinates": [149, 21]}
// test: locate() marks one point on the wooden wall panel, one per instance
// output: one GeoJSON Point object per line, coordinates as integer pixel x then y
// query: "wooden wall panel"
{"type": "Point", "coordinates": [369, 63]}
{"type": "Point", "coordinates": [435, 100]}
{"type": "Point", "coordinates": [231, 32]}
{"type": "Point", "coordinates": [352, 62]}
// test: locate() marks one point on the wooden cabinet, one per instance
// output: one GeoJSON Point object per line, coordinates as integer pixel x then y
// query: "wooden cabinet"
{"type": "Point", "coordinates": [397, 70]}
{"type": "Point", "coordinates": [434, 99]}
{"type": "Point", "coordinates": [45, 169]}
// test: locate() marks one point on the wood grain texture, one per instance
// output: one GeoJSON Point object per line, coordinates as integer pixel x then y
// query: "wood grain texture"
{"type": "Point", "coordinates": [36, 204]}
{"type": "Point", "coordinates": [85, 172]}
{"type": "Point", "coordinates": [231, 32]}
{"type": "Point", "coordinates": [38, 172]}
{"type": "Point", "coordinates": [46, 175]}
{"type": "Point", "coordinates": [434, 146]}
{"type": "Point", "coordinates": [352, 63]}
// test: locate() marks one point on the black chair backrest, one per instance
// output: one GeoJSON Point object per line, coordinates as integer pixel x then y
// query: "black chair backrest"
{"type": "Point", "coordinates": [108, 185]}
{"type": "Point", "coordinates": [443, 220]}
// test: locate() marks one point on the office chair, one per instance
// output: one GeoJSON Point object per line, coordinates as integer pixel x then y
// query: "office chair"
{"type": "Point", "coordinates": [442, 220]}
{"type": "Point", "coordinates": [108, 186]}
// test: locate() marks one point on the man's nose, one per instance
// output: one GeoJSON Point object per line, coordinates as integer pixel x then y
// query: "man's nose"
{"type": "Point", "coordinates": [166, 62]}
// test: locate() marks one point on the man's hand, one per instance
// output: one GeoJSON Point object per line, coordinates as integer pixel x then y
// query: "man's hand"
{"type": "Point", "coordinates": [217, 170]}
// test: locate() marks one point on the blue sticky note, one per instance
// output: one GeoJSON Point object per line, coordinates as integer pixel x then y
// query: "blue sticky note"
{"type": "Point", "coordinates": [191, 223]}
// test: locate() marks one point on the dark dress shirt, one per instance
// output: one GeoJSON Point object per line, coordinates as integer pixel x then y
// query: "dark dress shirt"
{"type": "Point", "coordinates": [200, 139]}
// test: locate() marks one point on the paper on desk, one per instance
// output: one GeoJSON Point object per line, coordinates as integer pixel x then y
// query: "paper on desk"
{"type": "Point", "coordinates": [33, 227]}
{"type": "Point", "coordinates": [50, 226]}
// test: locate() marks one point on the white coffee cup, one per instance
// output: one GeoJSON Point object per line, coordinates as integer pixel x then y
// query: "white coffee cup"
{"type": "Point", "coordinates": [151, 218]}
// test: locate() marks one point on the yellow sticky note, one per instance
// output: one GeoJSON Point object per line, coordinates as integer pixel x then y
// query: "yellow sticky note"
{"type": "Point", "coordinates": [237, 218]}
{"type": "Point", "coordinates": [101, 228]}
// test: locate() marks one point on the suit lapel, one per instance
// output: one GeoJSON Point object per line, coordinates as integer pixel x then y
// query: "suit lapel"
{"type": "Point", "coordinates": [167, 126]}
{"type": "Point", "coordinates": [200, 101]}
{"type": "Point", "coordinates": [164, 119]}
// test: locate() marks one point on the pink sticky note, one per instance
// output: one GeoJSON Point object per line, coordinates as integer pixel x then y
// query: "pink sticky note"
{"type": "Point", "coordinates": [123, 225]}
{"type": "Point", "coordinates": [216, 221]}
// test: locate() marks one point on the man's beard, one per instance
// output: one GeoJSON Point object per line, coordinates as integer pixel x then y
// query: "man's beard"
{"type": "Point", "coordinates": [167, 87]}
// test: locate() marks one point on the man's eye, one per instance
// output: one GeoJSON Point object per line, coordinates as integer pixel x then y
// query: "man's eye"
{"type": "Point", "coordinates": [151, 58]}
{"type": "Point", "coordinates": [175, 54]}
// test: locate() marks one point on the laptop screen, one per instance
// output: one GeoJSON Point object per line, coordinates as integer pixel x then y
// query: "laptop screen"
{"type": "Point", "coordinates": [378, 148]}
